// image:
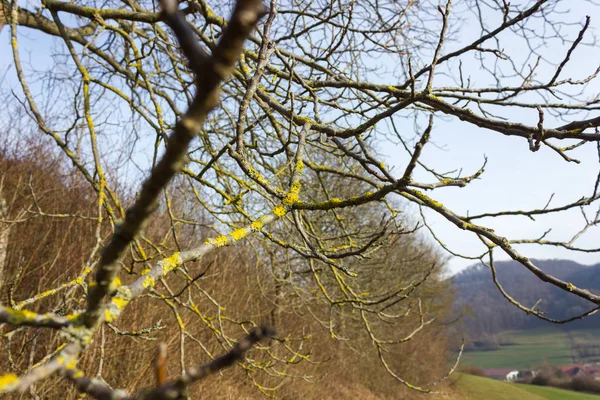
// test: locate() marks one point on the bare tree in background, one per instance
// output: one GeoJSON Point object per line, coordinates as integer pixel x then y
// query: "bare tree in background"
{"type": "Point", "coordinates": [288, 154]}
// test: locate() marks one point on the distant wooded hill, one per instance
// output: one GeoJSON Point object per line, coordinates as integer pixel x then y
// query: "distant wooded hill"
{"type": "Point", "coordinates": [487, 312]}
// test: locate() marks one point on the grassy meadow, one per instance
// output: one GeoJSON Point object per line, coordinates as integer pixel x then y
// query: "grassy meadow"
{"type": "Point", "coordinates": [557, 394]}
{"type": "Point", "coordinates": [469, 387]}
{"type": "Point", "coordinates": [530, 349]}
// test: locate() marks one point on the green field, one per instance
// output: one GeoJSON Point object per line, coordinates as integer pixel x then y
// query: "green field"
{"type": "Point", "coordinates": [469, 387]}
{"type": "Point", "coordinates": [558, 394]}
{"type": "Point", "coordinates": [530, 349]}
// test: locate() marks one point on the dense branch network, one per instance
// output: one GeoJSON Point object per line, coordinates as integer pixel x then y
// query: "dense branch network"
{"type": "Point", "coordinates": [291, 149]}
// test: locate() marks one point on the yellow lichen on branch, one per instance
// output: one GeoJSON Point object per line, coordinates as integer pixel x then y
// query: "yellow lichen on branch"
{"type": "Point", "coordinates": [172, 262]}
{"type": "Point", "coordinates": [8, 382]}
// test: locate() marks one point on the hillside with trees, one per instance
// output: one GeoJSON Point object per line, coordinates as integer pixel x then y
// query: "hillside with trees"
{"type": "Point", "coordinates": [485, 311]}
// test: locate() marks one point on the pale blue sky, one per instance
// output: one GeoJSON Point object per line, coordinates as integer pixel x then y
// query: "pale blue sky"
{"type": "Point", "coordinates": [515, 178]}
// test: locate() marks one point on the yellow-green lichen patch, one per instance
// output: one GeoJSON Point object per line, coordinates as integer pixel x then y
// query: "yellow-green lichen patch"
{"type": "Point", "coordinates": [467, 225]}
{"type": "Point", "coordinates": [109, 316]}
{"type": "Point", "coordinates": [280, 211]}
{"type": "Point", "coordinates": [117, 303]}
{"type": "Point", "coordinates": [7, 381]}
{"type": "Point", "coordinates": [111, 313]}
{"type": "Point", "coordinates": [290, 199]}
{"type": "Point", "coordinates": [170, 263]}
{"type": "Point", "coordinates": [427, 200]}
{"type": "Point", "coordinates": [239, 234]}
{"type": "Point", "coordinates": [25, 314]}
{"type": "Point", "coordinates": [120, 302]}
{"type": "Point", "coordinates": [73, 317]}
{"type": "Point", "coordinates": [195, 308]}
{"type": "Point", "coordinates": [304, 119]}
{"type": "Point", "coordinates": [295, 188]}
{"type": "Point", "coordinates": [340, 248]}
{"type": "Point", "coordinates": [19, 316]}
{"type": "Point", "coordinates": [219, 242]}
{"type": "Point", "coordinates": [254, 174]}
{"type": "Point", "coordinates": [148, 282]}
{"type": "Point", "coordinates": [114, 285]}
{"type": "Point", "coordinates": [71, 364]}
{"type": "Point", "coordinates": [257, 225]}
{"type": "Point", "coordinates": [46, 293]}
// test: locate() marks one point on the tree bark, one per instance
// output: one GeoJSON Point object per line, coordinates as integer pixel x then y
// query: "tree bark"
{"type": "Point", "coordinates": [4, 227]}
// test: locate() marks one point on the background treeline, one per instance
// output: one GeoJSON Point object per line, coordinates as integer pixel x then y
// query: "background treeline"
{"type": "Point", "coordinates": [50, 233]}
{"type": "Point", "coordinates": [552, 376]}
{"type": "Point", "coordinates": [486, 312]}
